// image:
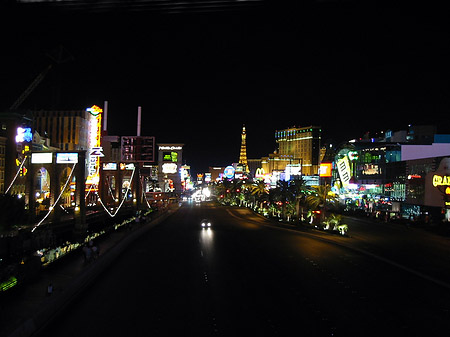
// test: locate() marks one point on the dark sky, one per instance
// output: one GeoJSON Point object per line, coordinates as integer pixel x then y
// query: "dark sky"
{"type": "Point", "coordinates": [347, 66]}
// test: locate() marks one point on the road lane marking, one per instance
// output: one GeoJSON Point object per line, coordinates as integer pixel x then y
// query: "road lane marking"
{"type": "Point", "coordinates": [361, 251]}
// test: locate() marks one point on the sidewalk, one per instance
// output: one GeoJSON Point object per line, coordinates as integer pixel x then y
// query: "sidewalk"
{"type": "Point", "coordinates": [28, 308]}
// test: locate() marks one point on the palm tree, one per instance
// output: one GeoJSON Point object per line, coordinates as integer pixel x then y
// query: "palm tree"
{"type": "Point", "coordinates": [299, 190]}
{"type": "Point", "coordinates": [321, 198]}
{"type": "Point", "coordinates": [282, 194]}
{"type": "Point", "coordinates": [260, 192]}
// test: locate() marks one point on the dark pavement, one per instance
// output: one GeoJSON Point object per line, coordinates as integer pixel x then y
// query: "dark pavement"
{"type": "Point", "coordinates": [246, 277]}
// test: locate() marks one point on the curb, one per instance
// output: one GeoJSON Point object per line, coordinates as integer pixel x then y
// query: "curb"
{"type": "Point", "coordinates": [55, 305]}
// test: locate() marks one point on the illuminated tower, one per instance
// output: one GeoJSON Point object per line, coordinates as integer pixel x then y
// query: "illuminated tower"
{"type": "Point", "coordinates": [243, 154]}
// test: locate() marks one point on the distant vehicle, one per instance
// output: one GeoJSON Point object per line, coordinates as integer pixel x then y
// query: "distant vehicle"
{"type": "Point", "coordinates": [206, 223]}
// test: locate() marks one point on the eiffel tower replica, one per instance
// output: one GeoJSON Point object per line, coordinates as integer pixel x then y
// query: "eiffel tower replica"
{"type": "Point", "coordinates": [243, 154]}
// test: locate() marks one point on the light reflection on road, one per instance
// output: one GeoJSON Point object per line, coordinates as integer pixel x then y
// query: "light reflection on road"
{"type": "Point", "coordinates": [207, 243]}
{"type": "Point", "coordinates": [206, 237]}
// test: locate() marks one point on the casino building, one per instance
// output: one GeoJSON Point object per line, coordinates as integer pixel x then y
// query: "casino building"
{"type": "Point", "coordinates": [298, 152]}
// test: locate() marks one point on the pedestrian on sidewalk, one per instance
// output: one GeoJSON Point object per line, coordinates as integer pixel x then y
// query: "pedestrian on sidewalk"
{"type": "Point", "coordinates": [95, 252]}
{"type": "Point", "coordinates": [87, 252]}
{"type": "Point", "coordinates": [50, 289]}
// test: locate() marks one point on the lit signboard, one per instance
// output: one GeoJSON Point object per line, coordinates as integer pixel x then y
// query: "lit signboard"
{"type": "Point", "coordinates": [259, 173]}
{"type": "Point", "coordinates": [171, 148]}
{"type": "Point", "coordinates": [67, 158]}
{"type": "Point", "coordinates": [292, 170]}
{"type": "Point", "coordinates": [126, 166]}
{"type": "Point", "coordinates": [23, 135]}
{"type": "Point", "coordinates": [109, 166]}
{"type": "Point", "coordinates": [170, 156]}
{"type": "Point", "coordinates": [95, 150]}
{"type": "Point", "coordinates": [169, 168]}
{"type": "Point", "coordinates": [94, 110]}
{"type": "Point", "coordinates": [441, 180]}
{"type": "Point", "coordinates": [325, 170]}
{"type": "Point", "coordinates": [343, 166]}
{"type": "Point", "coordinates": [229, 172]}
{"type": "Point", "coordinates": [41, 158]}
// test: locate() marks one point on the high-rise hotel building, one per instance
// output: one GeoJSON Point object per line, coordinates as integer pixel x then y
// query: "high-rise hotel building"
{"type": "Point", "coordinates": [67, 130]}
{"type": "Point", "coordinates": [300, 145]}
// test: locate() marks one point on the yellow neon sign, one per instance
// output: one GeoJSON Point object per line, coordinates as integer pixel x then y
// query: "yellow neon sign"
{"type": "Point", "coordinates": [441, 180]}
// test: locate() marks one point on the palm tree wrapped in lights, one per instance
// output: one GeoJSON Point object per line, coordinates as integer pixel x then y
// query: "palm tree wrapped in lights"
{"type": "Point", "coordinates": [320, 199]}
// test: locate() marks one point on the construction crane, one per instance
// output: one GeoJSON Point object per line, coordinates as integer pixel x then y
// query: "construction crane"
{"type": "Point", "coordinates": [30, 88]}
{"type": "Point", "coordinates": [59, 55]}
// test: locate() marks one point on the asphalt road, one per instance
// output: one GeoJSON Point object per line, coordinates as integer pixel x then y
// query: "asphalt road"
{"type": "Point", "coordinates": [243, 277]}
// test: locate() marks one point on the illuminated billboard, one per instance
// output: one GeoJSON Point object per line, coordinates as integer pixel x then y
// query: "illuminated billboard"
{"type": "Point", "coordinates": [67, 158]}
{"type": "Point", "coordinates": [41, 158]}
{"type": "Point", "coordinates": [325, 170]}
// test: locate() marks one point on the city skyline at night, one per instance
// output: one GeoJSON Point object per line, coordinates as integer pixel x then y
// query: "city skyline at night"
{"type": "Point", "coordinates": [200, 76]}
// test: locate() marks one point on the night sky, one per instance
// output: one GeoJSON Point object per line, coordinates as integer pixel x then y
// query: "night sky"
{"type": "Point", "coordinates": [199, 76]}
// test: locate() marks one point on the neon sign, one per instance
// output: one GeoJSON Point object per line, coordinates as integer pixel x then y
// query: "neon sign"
{"type": "Point", "coordinates": [260, 172]}
{"type": "Point", "coordinates": [441, 180]}
{"type": "Point", "coordinates": [95, 152]}
{"type": "Point", "coordinates": [24, 135]}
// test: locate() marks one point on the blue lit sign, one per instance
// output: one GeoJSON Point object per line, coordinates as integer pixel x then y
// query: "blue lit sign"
{"type": "Point", "coordinates": [24, 135]}
{"type": "Point", "coordinates": [229, 172]}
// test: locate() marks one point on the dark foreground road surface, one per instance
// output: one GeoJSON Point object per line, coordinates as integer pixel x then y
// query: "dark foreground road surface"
{"type": "Point", "coordinates": [244, 278]}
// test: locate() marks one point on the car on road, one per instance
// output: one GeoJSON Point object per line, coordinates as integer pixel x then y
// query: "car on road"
{"type": "Point", "coordinates": [206, 223]}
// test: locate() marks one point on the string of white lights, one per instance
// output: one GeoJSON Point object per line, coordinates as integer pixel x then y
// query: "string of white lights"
{"type": "Point", "coordinates": [17, 174]}
{"type": "Point", "coordinates": [90, 187]}
{"type": "Point", "coordinates": [50, 209]}
{"type": "Point", "coordinates": [145, 197]}
{"type": "Point", "coordinates": [123, 199]}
